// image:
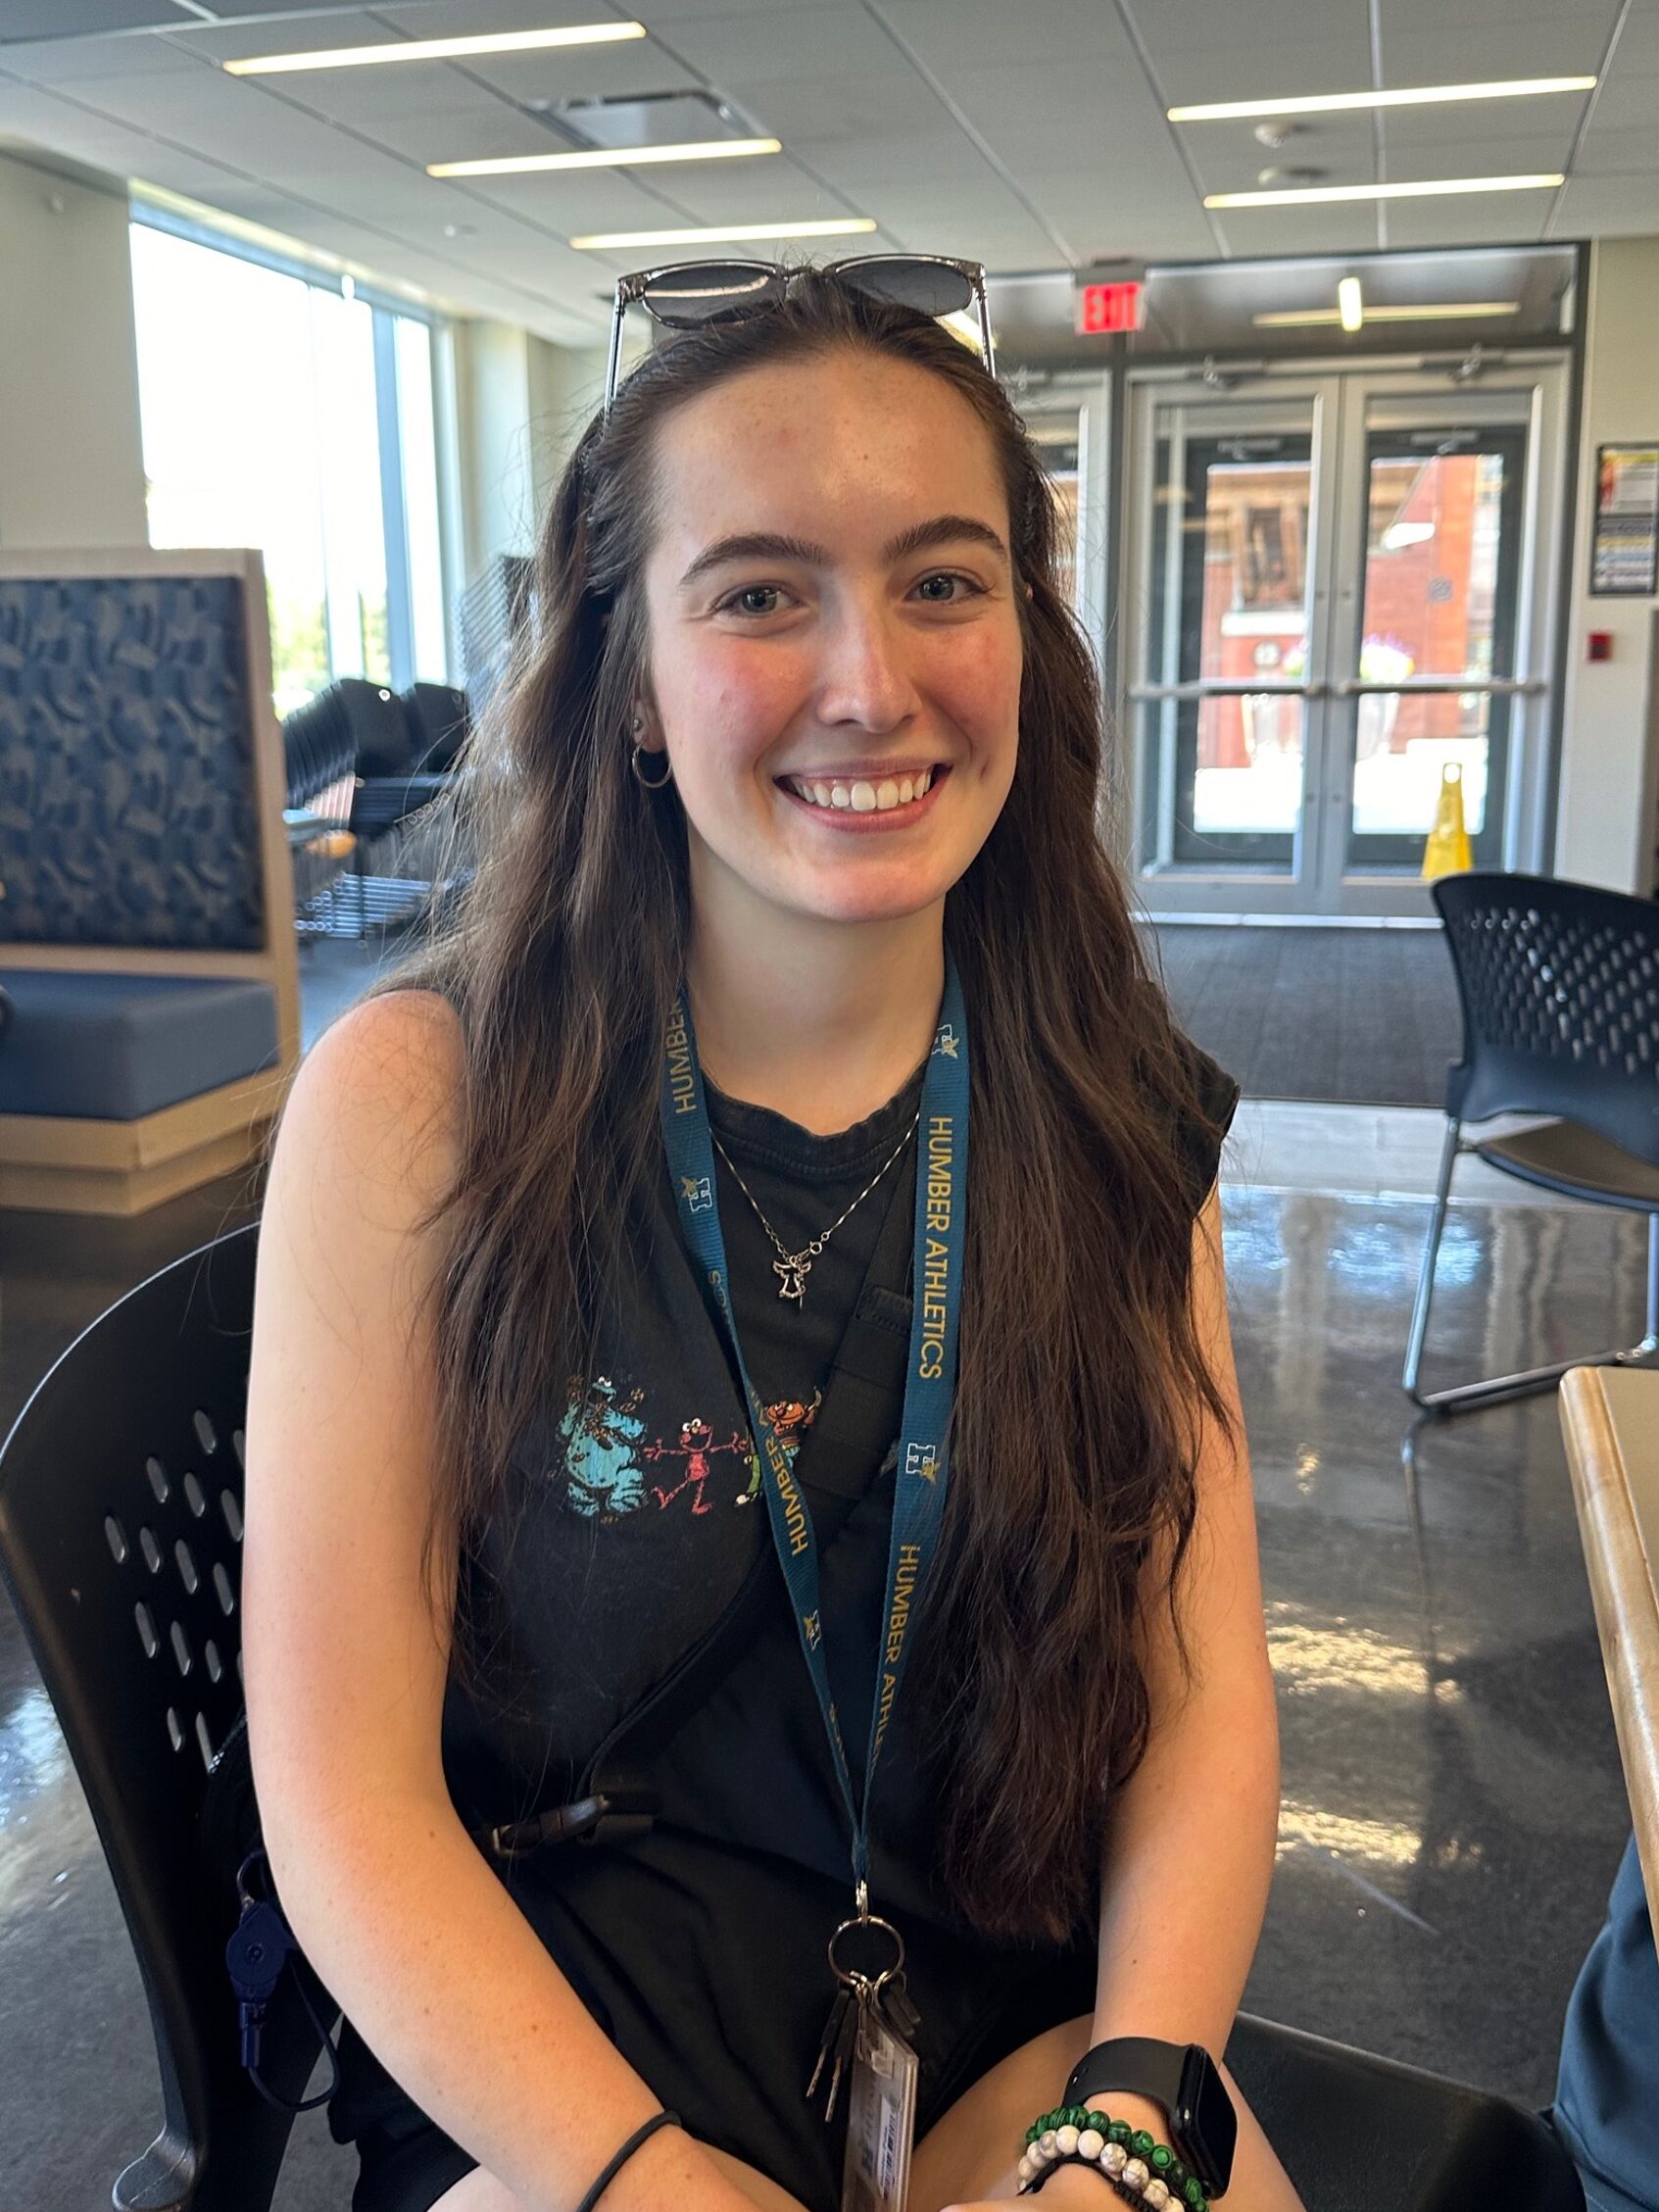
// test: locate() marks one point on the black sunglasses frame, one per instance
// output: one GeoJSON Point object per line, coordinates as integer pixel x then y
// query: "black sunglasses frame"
{"type": "Point", "coordinates": [635, 288]}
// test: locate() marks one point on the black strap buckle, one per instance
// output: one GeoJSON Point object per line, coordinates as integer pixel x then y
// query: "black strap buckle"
{"type": "Point", "coordinates": [609, 1816]}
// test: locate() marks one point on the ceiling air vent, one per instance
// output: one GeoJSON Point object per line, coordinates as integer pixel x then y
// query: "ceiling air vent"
{"type": "Point", "coordinates": [644, 118]}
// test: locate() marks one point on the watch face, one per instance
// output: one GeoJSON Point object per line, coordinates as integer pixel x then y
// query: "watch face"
{"type": "Point", "coordinates": [1205, 2121]}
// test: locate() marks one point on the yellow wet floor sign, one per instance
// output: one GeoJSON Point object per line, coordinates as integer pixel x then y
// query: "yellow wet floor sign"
{"type": "Point", "coordinates": [1448, 850]}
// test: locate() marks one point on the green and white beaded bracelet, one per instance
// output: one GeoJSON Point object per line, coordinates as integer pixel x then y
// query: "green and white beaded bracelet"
{"type": "Point", "coordinates": [1137, 2166]}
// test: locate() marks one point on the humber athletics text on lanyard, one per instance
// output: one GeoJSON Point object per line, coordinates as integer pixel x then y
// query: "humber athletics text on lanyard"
{"type": "Point", "coordinates": [930, 1382]}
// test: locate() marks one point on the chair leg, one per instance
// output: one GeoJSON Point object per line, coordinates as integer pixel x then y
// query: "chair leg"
{"type": "Point", "coordinates": [1431, 1254]}
{"type": "Point", "coordinates": [1467, 1398]}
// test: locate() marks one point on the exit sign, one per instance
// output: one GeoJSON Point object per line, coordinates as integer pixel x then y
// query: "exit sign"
{"type": "Point", "coordinates": [1104, 308]}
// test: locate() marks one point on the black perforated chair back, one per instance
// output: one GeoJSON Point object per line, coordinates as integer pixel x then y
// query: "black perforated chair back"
{"type": "Point", "coordinates": [121, 1527]}
{"type": "Point", "coordinates": [1559, 984]}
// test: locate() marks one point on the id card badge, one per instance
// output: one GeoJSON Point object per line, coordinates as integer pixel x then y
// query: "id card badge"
{"type": "Point", "coordinates": [881, 2120]}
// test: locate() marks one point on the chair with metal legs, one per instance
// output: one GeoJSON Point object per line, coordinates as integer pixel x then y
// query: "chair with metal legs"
{"type": "Point", "coordinates": [1559, 986]}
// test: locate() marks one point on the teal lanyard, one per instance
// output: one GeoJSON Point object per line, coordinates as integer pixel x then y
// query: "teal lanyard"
{"type": "Point", "coordinates": [918, 1500]}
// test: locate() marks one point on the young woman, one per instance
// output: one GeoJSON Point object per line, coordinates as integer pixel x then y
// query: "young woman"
{"type": "Point", "coordinates": [789, 876]}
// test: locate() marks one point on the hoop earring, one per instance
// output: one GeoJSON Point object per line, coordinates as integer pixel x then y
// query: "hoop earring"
{"type": "Point", "coordinates": [658, 783]}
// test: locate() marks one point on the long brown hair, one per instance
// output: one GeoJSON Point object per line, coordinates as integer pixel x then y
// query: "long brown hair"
{"type": "Point", "coordinates": [1082, 1385]}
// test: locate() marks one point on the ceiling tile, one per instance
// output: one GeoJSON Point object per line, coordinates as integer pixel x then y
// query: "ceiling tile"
{"type": "Point", "coordinates": [1608, 207]}
{"type": "Point", "coordinates": [598, 73]}
{"type": "Point", "coordinates": [1458, 52]}
{"type": "Point", "coordinates": [1431, 16]}
{"type": "Point", "coordinates": [1450, 155]}
{"type": "Point", "coordinates": [867, 111]}
{"type": "Point", "coordinates": [1260, 232]}
{"type": "Point", "coordinates": [1104, 223]}
{"type": "Point", "coordinates": [1170, 26]}
{"type": "Point", "coordinates": [60, 60]}
{"type": "Point", "coordinates": [1617, 153]}
{"type": "Point", "coordinates": [1638, 43]}
{"type": "Point", "coordinates": [264, 7]}
{"type": "Point", "coordinates": [1061, 34]}
{"type": "Point", "coordinates": [1482, 123]}
{"type": "Point", "coordinates": [75, 18]}
{"type": "Point", "coordinates": [1628, 103]}
{"type": "Point", "coordinates": [833, 39]}
{"type": "Point", "coordinates": [289, 34]}
{"type": "Point", "coordinates": [1470, 223]}
{"type": "Point", "coordinates": [670, 14]}
{"type": "Point", "coordinates": [563, 206]}
{"type": "Point", "coordinates": [454, 19]}
{"type": "Point", "coordinates": [363, 99]}
{"type": "Point", "coordinates": [1265, 69]}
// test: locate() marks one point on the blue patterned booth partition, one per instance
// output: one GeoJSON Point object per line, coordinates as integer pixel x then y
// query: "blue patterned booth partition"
{"type": "Point", "coordinates": [129, 818]}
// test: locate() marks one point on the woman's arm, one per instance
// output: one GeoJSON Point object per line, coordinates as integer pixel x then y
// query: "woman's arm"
{"type": "Point", "coordinates": [1191, 1851]}
{"type": "Point", "coordinates": [346, 1654]}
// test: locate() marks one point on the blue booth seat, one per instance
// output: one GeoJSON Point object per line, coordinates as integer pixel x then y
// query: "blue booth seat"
{"type": "Point", "coordinates": [114, 1047]}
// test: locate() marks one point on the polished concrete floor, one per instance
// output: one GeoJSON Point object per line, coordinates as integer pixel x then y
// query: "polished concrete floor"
{"type": "Point", "coordinates": [1453, 1808]}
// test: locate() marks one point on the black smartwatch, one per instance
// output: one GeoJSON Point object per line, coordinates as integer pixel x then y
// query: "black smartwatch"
{"type": "Point", "coordinates": [1183, 2079]}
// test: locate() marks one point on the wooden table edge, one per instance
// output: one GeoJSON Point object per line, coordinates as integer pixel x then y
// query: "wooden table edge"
{"type": "Point", "coordinates": [1625, 1598]}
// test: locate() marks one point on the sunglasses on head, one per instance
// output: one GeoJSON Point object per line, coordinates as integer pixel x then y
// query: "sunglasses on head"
{"type": "Point", "coordinates": [690, 294]}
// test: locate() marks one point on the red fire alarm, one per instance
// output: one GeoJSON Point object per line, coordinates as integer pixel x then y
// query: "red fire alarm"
{"type": "Point", "coordinates": [1106, 307]}
{"type": "Point", "coordinates": [1599, 644]}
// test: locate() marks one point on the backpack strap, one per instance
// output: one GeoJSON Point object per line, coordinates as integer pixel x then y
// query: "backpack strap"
{"type": "Point", "coordinates": [857, 1423]}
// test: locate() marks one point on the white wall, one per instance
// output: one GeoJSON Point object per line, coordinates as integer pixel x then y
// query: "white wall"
{"type": "Point", "coordinates": [1605, 828]}
{"type": "Point", "coordinates": [72, 463]}
{"type": "Point", "coordinates": [520, 405]}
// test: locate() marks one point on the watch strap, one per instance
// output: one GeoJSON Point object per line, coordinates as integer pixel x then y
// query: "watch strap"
{"type": "Point", "coordinates": [1141, 2064]}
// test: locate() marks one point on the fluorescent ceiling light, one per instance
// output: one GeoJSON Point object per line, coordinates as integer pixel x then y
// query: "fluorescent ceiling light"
{"type": "Point", "coordinates": [1439, 311]}
{"type": "Point", "coordinates": [1418, 95]}
{"type": "Point", "coordinates": [434, 49]}
{"type": "Point", "coordinates": [1305, 195]}
{"type": "Point", "coordinates": [610, 156]}
{"type": "Point", "coordinates": [1351, 305]}
{"type": "Point", "coordinates": [723, 234]}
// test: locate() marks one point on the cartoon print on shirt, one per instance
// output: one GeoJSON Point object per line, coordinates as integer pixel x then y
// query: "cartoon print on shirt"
{"type": "Point", "coordinates": [601, 1433]}
{"type": "Point", "coordinates": [697, 1448]}
{"type": "Point", "coordinates": [791, 1419]}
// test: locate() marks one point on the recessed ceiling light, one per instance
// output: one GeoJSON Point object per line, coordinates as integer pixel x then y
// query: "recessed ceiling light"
{"type": "Point", "coordinates": [434, 49]}
{"type": "Point", "coordinates": [1351, 304]}
{"type": "Point", "coordinates": [727, 234]}
{"type": "Point", "coordinates": [1418, 95]}
{"type": "Point", "coordinates": [610, 156]}
{"type": "Point", "coordinates": [1439, 311]}
{"type": "Point", "coordinates": [1301, 195]}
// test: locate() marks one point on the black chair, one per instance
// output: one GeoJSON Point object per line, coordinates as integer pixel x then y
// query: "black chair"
{"type": "Point", "coordinates": [121, 1521]}
{"type": "Point", "coordinates": [121, 1524]}
{"type": "Point", "coordinates": [440, 720]}
{"type": "Point", "coordinates": [1559, 986]}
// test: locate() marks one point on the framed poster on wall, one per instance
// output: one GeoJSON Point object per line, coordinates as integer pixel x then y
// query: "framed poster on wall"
{"type": "Point", "coordinates": [1625, 547]}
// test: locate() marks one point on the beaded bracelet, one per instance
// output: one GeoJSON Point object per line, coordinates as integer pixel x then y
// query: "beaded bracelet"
{"type": "Point", "coordinates": [1141, 2168]}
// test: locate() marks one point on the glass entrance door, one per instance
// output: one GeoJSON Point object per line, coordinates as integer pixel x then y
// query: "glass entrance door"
{"type": "Point", "coordinates": [1231, 615]}
{"type": "Point", "coordinates": [1439, 613]}
{"type": "Point", "coordinates": [1343, 590]}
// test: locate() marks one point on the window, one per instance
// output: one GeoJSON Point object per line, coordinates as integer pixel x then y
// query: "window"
{"type": "Point", "coordinates": [281, 414]}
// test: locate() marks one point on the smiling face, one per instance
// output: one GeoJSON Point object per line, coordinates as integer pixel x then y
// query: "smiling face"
{"type": "Point", "coordinates": [834, 642]}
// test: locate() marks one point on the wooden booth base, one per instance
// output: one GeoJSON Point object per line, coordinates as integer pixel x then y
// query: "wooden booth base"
{"type": "Point", "coordinates": [52, 1164]}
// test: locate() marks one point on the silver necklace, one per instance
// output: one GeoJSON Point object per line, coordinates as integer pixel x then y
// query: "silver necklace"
{"type": "Point", "coordinates": [794, 1267]}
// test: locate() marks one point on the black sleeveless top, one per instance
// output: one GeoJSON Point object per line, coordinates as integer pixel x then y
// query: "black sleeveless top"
{"type": "Point", "coordinates": [637, 1517]}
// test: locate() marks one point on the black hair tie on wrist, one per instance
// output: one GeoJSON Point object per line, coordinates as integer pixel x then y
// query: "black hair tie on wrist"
{"type": "Point", "coordinates": [639, 2136]}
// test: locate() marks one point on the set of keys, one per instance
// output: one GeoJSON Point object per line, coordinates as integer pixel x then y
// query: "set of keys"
{"type": "Point", "coordinates": [866, 1956]}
